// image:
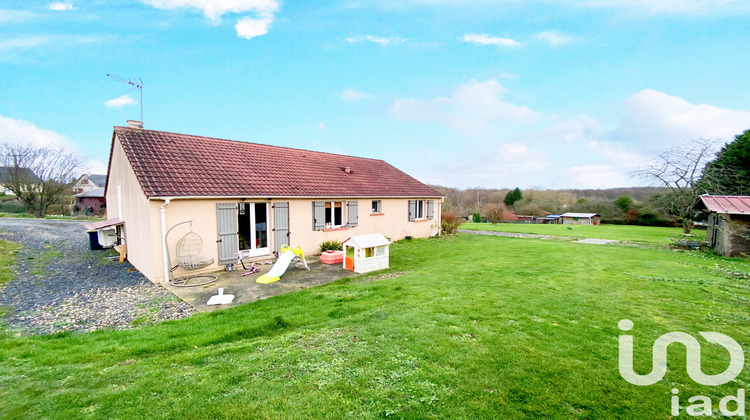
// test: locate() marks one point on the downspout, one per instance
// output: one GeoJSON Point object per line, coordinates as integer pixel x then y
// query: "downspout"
{"type": "Point", "coordinates": [164, 251]}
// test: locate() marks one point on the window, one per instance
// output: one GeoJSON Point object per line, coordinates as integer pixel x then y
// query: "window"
{"type": "Point", "coordinates": [421, 209]}
{"type": "Point", "coordinates": [377, 206]}
{"type": "Point", "coordinates": [334, 214]}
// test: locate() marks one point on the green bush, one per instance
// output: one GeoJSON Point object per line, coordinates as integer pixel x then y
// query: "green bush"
{"type": "Point", "coordinates": [477, 218]}
{"type": "Point", "coordinates": [332, 245]}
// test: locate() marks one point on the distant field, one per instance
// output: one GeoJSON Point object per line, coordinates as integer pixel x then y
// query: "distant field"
{"type": "Point", "coordinates": [467, 327]}
{"type": "Point", "coordinates": [625, 233]}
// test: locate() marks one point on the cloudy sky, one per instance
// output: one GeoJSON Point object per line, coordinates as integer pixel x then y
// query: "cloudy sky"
{"type": "Point", "coordinates": [462, 93]}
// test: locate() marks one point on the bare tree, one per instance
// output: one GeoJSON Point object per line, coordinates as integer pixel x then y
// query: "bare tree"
{"type": "Point", "coordinates": [679, 169]}
{"type": "Point", "coordinates": [38, 176]}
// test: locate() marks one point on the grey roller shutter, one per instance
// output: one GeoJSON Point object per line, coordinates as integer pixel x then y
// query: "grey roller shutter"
{"type": "Point", "coordinates": [228, 241]}
{"type": "Point", "coordinates": [353, 213]}
{"type": "Point", "coordinates": [319, 215]}
{"type": "Point", "coordinates": [280, 225]}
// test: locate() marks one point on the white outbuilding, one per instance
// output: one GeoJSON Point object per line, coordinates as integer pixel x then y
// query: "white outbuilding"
{"type": "Point", "coordinates": [365, 253]}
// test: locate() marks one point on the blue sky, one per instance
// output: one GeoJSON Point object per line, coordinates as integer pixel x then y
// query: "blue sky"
{"type": "Point", "coordinates": [490, 93]}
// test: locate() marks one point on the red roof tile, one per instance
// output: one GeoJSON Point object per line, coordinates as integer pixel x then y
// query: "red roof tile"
{"type": "Point", "coordinates": [731, 204]}
{"type": "Point", "coordinates": [180, 165]}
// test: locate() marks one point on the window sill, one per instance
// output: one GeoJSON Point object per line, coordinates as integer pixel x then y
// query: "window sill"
{"type": "Point", "coordinates": [421, 220]}
{"type": "Point", "coordinates": [336, 228]}
{"type": "Point", "coordinates": [377, 214]}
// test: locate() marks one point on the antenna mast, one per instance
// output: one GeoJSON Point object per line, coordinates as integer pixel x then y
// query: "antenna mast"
{"type": "Point", "coordinates": [135, 84]}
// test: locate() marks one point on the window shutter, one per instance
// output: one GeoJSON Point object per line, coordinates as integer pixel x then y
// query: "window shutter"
{"type": "Point", "coordinates": [353, 213]}
{"type": "Point", "coordinates": [319, 215]}
{"type": "Point", "coordinates": [412, 210]}
{"type": "Point", "coordinates": [430, 208]}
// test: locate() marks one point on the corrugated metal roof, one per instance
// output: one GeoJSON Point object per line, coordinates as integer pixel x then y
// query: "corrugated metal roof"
{"type": "Point", "coordinates": [179, 165]}
{"type": "Point", "coordinates": [95, 193]}
{"type": "Point", "coordinates": [580, 215]}
{"type": "Point", "coordinates": [729, 204]}
{"type": "Point", "coordinates": [103, 224]}
{"type": "Point", "coordinates": [367, 241]}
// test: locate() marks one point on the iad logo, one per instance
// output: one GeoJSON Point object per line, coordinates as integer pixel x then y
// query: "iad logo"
{"type": "Point", "coordinates": [693, 361]}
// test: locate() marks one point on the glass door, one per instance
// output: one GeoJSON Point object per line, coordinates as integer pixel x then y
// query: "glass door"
{"type": "Point", "coordinates": [252, 224]}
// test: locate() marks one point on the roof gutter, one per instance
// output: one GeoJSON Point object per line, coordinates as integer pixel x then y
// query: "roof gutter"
{"type": "Point", "coordinates": [164, 251]}
{"type": "Point", "coordinates": [284, 197]}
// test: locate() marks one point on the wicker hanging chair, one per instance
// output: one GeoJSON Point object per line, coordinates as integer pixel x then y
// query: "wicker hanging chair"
{"type": "Point", "coordinates": [189, 259]}
{"type": "Point", "coordinates": [188, 252]}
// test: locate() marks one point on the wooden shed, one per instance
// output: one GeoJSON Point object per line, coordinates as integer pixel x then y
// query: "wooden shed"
{"type": "Point", "coordinates": [580, 219]}
{"type": "Point", "coordinates": [365, 253]}
{"type": "Point", "coordinates": [728, 228]}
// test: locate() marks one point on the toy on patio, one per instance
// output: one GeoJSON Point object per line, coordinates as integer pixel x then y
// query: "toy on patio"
{"type": "Point", "coordinates": [188, 258]}
{"type": "Point", "coordinates": [286, 256]}
{"type": "Point", "coordinates": [252, 270]}
{"type": "Point", "coordinates": [220, 299]}
{"type": "Point", "coordinates": [365, 253]}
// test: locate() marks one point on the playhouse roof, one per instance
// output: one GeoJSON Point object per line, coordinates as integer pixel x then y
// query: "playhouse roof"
{"type": "Point", "coordinates": [180, 165]}
{"type": "Point", "coordinates": [367, 241]}
{"type": "Point", "coordinates": [729, 204]}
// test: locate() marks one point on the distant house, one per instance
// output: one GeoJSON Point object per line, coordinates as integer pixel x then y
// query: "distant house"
{"type": "Point", "coordinates": [728, 228]}
{"type": "Point", "coordinates": [7, 174]}
{"type": "Point", "coordinates": [88, 182]}
{"type": "Point", "coordinates": [580, 219]}
{"type": "Point", "coordinates": [252, 198]}
{"type": "Point", "coordinates": [90, 202]}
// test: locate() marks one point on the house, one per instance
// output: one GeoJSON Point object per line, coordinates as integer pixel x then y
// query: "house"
{"type": "Point", "coordinates": [728, 228]}
{"type": "Point", "coordinates": [580, 219]}
{"type": "Point", "coordinates": [88, 182]}
{"type": "Point", "coordinates": [10, 174]}
{"type": "Point", "coordinates": [251, 197]}
{"type": "Point", "coordinates": [90, 202]}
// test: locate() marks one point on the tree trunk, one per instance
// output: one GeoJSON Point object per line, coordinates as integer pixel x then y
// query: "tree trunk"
{"type": "Point", "coordinates": [687, 226]}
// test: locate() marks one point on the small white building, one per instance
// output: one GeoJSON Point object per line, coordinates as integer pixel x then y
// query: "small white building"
{"type": "Point", "coordinates": [365, 253]}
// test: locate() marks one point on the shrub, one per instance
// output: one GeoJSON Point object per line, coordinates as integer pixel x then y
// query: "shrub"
{"type": "Point", "coordinates": [331, 245]}
{"type": "Point", "coordinates": [496, 213]}
{"type": "Point", "coordinates": [449, 222]}
{"type": "Point", "coordinates": [477, 218]}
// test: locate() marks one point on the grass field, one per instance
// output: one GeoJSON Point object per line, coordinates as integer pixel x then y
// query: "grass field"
{"type": "Point", "coordinates": [625, 233]}
{"type": "Point", "coordinates": [464, 327]}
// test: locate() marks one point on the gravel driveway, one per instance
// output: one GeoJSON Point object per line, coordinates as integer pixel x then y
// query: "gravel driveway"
{"type": "Point", "coordinates": [60, 285]}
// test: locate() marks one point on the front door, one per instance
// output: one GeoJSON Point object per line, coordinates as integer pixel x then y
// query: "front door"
{"type": "Point", "coordinates": [252, 228]}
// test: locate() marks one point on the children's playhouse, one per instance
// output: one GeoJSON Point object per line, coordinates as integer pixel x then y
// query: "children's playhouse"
{"type": "Point", "coordinates": [365, 253]}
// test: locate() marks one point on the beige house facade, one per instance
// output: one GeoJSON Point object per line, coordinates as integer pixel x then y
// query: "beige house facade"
{"type": "Point", "coordinates": [251, 199]}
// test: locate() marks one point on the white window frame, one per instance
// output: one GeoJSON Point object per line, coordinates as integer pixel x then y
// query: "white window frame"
{"type": "Point", "coordinates": [377, 206]}
{"type": "Point", "coordinates": [332, 224]}
{"type": "Point", "coordinates": [419, 211]}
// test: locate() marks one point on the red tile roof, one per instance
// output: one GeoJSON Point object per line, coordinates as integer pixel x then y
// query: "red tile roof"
{"type": "Point", "coordinates": [180, 165]}
{"type": "Point", "coordinates": [731, 204]}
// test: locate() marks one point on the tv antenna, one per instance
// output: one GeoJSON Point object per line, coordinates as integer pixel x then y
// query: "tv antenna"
{"type": "Point", "coordinates": [135, 84]}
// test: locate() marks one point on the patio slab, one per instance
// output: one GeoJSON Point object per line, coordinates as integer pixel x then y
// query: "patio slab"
{"type": "Point", "coordinates": [245, 289]}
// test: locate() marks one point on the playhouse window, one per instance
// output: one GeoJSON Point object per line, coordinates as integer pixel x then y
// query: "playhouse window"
{"type": "Point", "coordinates": [377, 206]}
{"type": "Point", "coordinates": [334, 213]}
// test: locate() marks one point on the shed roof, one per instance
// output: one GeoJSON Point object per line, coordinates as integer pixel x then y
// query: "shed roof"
{"type": "Point", "coordinates": [728, 204]}
{"type": "Point", "coordinates": [580, 215]}
{"type": "Point", "coordinates": [95, 193]}
{"type": "Point", "coordinates": [368, 241]}
{"type": "Point", "coordinates": [180, 165]}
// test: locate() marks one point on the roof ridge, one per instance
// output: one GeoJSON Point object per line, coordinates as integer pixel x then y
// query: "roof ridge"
{"type": "Point", "coordinates": [249, 142]}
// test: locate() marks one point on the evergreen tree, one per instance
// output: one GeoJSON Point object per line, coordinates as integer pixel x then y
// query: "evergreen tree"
{"type": "Point", "coordinates": [513, 197]}
{"type": "Point", "coordinates": [729, 173]}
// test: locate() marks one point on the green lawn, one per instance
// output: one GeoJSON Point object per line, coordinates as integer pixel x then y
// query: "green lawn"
{"type": "Point", "coordinates": [464, 327]}
{"type": "Point", "coordinates": [625, 233]}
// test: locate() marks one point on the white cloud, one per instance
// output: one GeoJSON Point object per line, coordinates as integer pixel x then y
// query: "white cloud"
{"type": "Point", "coordinates": [251, 27]}
{"type": "Point", "coordinates": [375, 39]}
{"type": "Point", "coordinates": [354, 95]}
{"type": "Point", "coordinates": [33, 41]}
{"type": "Point", "coordinates": [660, 120]}
{"type": "Point", "coordinates": [15, 16]}
{"type": "Point", "coordinates": [473, 108]}
{"type": "Point", "coordinates": [247, 27]}
{"type": "Point", "coordinates": [214, 9]}
{"type": "Point", "coordinates": [594, 176]}
{"type": "Point", "coordinates": [60, 6]}
{"type": "Point", "coordinates": [21, 132]}
{"type": "Point", "coordinates": [553, 38]}
{"type": "Point", "coordinates": [483, 39]}
{"type": "Point", "coordinates": [120, 102]}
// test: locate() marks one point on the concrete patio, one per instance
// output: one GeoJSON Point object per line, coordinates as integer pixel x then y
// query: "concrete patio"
{"type": "Point", "coordinates": [245, 289]}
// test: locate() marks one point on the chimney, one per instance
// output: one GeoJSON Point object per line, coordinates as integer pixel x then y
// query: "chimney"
{"type": "Point", "coordinates": [134, 124]}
